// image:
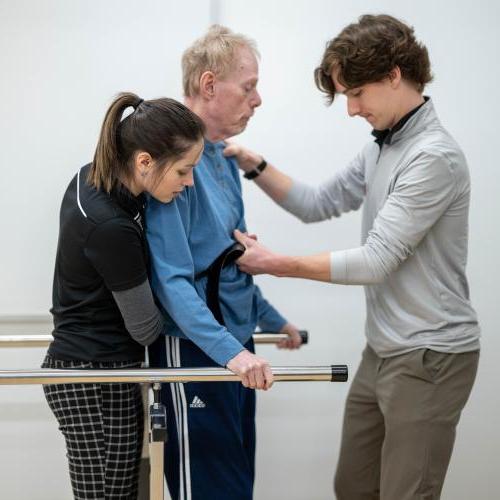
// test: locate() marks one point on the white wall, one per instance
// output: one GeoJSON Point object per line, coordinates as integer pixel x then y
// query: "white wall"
{"type": "Point", "coordinates": [61, 62]}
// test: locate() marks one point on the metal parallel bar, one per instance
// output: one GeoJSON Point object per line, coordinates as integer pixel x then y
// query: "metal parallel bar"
{"type": "Point", "coordinates": [45, 340]}
{"type": "Point", "coordinates": [268, 338]}
{"type": "Point", "coordinates": [46, 376]}
{"type": "Point", "coordinates": [25, 340]}
{"type": "Point", "coordinates": [274, 338]}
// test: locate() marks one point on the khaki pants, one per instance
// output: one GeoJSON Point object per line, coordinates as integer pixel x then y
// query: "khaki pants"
{"type": "Point", "coordinates": [399, 424]}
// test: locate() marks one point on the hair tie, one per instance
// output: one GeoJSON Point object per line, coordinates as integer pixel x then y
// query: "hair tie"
{"type": "Point", "coordinates": [139, 103]}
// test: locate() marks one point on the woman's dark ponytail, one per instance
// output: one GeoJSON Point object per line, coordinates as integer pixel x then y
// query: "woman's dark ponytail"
{"type": "Point", "coordinates": [164, 128]}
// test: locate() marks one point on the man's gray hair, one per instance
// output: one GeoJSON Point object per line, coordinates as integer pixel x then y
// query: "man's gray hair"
{"type": "Point", "coordinates": [213, 52]}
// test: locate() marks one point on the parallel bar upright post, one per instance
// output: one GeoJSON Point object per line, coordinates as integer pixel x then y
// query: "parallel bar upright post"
{"type": "Point", "coordinates": [157, 438]}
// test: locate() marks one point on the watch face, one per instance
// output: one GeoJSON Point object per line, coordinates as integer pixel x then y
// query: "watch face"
{"type": "Point", "coordinates": [251, 175]}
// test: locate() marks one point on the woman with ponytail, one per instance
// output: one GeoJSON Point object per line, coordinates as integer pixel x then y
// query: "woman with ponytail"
{"type": "Point", "coordinates": [103, 307]}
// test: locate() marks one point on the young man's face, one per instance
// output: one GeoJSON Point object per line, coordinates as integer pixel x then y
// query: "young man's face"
{"type": "Point", "coordinates": [375, 102]}
{"type": "Point", "coordinates": [236, 95]}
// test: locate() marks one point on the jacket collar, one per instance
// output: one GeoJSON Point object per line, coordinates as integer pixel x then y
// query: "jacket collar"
{"type": "Point", "coordinates": [412, 123]}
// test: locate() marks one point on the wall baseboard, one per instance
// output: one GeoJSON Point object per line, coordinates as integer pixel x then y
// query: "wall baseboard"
{"type": "Point", "coordinates": [25, 323]}
{"type": "Point", "coordinates": [25, 318]}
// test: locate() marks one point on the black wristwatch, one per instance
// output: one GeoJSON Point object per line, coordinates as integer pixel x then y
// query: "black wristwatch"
{"type": "Point", "coordinates": [256, 172]}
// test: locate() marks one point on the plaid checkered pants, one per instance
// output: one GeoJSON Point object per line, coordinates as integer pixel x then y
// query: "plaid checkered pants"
{"type": "Point", "coordinates": [103, 428]}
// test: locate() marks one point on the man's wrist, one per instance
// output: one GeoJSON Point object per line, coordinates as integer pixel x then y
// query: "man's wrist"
{"type": "Point", "coordinates": [281, 265]}
{"type": "Point", "coordinates": [313, 267]}
{"type": "Point", "coordinates": [253, 161]}
{"type": "Point", "coordinates": [248, 160]}
{"type": "Point", "coordinates": [252, 174]}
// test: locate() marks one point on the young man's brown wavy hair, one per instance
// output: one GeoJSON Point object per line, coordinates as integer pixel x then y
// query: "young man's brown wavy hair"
{"type": "Point", "coordinates": [367, 51]}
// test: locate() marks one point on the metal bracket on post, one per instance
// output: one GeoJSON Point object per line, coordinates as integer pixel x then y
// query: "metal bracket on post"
{"type": "Point", "coordinates": [157, 439]}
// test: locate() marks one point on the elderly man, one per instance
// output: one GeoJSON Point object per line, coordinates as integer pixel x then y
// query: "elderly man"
{"type": "Point", "coordinates": [211, 447]}
{"type": "Point", "coordinates": [420, 363]}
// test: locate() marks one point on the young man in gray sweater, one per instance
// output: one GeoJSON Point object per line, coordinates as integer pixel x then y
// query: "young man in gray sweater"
{"type": "Point", "coordinates": [422, 349]}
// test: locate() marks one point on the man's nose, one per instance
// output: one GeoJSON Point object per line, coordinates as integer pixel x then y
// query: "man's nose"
{"type": "Point", "coordinates": [256, 99]}
{"type": "Point", "coordinates": [352, 107]}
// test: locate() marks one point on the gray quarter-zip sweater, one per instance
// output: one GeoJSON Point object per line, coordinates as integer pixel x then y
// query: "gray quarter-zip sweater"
{"type": "Point", "coordinates": [416, 192]}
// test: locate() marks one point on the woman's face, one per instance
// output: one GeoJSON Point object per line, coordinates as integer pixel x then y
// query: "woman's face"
{"type": "Point", "coordinates": [175, 176]}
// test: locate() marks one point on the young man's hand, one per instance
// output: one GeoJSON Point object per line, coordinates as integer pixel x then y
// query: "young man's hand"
{"type": "Point", "coordinates": [257, 259]}
{"type": "Point", "coordinates": [247, 160]}
{"type": "Point", "coordinates": [253, 371]}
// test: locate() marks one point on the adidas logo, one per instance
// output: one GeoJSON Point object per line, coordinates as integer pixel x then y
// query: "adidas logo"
{"type": "Point", "coordinates": [197, 403]}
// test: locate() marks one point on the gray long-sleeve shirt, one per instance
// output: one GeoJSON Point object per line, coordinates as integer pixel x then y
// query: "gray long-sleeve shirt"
{"type": "Point", "coordinates": [416, 192]}
{"type": "Point", "coordinates": [142, 318]}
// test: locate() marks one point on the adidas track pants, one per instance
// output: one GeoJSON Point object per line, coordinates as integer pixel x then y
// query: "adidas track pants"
{"type": "Point", "coordinates": [210, 452]}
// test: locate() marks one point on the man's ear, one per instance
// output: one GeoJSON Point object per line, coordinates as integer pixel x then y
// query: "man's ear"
{"type": "Point", "coordinates": [395, 77]}
{"type": "Point", "coordinates": [207, 85]}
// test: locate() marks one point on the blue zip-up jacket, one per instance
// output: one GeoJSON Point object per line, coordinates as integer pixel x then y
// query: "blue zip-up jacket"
{"type": "Point", "coordinates": [185, 236]}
